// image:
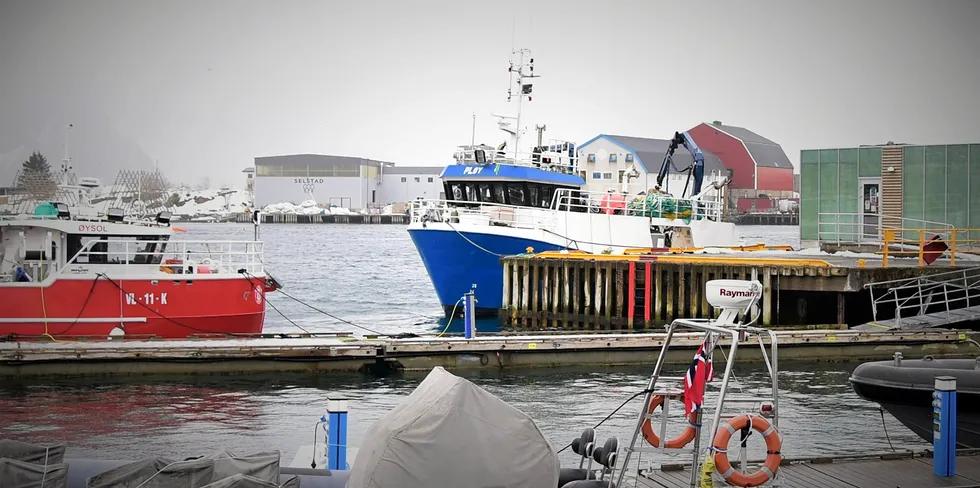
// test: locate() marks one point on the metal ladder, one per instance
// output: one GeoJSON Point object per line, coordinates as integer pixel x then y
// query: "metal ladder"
{"type": "Point", "coordinates": [713, 332]}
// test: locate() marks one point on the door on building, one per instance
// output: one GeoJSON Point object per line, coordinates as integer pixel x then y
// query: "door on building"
{"type": "Point", "coordinates": [870, 208]}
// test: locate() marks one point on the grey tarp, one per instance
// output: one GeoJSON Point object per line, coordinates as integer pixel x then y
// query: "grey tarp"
{"type": "Point", "coordinates": [31, 453]}
{"type": "Point", "coordinates": [452, 433]}
{"type": "Point", "coordinates": [194, 473]}
{"type": "Point", "coordinates": [246, 481]}
{"type": "Point", "coordinates": [21, 474]}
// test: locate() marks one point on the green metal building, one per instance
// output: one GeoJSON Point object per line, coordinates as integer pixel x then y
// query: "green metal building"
{"type": "Point", "coordinates": [847, 195]}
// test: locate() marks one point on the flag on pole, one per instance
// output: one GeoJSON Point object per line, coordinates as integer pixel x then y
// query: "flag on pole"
{"type": "Point", "coordinates": [697, 375]}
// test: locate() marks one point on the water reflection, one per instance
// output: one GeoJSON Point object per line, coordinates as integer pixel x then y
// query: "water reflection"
{"type": "Point", "coordinates": [126, 419]}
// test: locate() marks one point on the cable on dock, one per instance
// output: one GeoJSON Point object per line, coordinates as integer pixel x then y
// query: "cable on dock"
{"type": "Point", "coordinates": [596, 426]}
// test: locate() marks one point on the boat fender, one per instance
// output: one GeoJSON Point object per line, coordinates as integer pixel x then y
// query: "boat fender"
{"type": "Point", "coordinates": [773, 456]}
{"type": "Point", "coordinates": [678, 442]}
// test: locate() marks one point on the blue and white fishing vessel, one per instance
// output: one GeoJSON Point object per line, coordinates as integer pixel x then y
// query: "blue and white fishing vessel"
{"type": "Point", "coordinates": [502, 202]}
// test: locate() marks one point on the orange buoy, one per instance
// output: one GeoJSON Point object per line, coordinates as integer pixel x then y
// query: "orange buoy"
{"type": "Point", "coordinates": [678, 442]}
{"type": "Point", "coordinates": [773, 456]}
{"type": "Point", "coordinates": [611, 202]}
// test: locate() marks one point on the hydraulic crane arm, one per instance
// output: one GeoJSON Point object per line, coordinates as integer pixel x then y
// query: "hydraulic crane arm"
{"type": "Point", "coordinates": [697, 169]}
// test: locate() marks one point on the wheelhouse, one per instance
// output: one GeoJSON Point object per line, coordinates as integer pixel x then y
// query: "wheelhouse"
{"type": "Point", "coordinates": [500, 184]}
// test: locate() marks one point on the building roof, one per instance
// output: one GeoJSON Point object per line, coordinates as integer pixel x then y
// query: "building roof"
{"type": "Point", "coordinates": [413, 170]}
{"type": "Point", "coordinates": [318, 160]}
{"type": "Point", "coordinates": [650, 153]}
{"type": "Point", "coordinates": [764, 152]}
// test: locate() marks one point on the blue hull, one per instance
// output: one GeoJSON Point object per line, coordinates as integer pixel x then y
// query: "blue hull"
{"type": "Point", "coordinates": [456, 266]}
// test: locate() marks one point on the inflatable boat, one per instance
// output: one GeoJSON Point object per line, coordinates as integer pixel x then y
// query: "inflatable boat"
{"type": "Point", "coordinates": [904, 388]}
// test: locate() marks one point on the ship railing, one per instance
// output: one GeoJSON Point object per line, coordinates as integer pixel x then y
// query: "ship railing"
{"type": "Point", "coordinates": [137, 256]}
{"type": "Point", "coordinates": [648, 205]}
{"type": "Point", "coordinates": [558, 161]}
{"type": "Point", "coordinates": [482, 213]}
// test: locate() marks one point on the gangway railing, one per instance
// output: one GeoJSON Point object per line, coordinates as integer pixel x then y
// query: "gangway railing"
{"type": "Point", "coordinates": [956, 243]}
{"type": "Point", "coordinates": [933, 293]}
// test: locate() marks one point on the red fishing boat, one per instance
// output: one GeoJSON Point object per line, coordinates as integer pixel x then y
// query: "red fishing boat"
{"type": "Point", "coordinates": [62, 275]}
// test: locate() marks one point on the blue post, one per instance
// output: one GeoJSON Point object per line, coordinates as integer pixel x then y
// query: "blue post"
{"type": "Point", "coordinates": [944, 426]}
{"type": "Point", "coordinates": [469, 315]}
{"type": "Point", "coordinates": [337, 433]}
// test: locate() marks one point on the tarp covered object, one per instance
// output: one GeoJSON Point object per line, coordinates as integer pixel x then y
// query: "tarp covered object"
{"type": "Point", "coordinates": [193, 473]}
{"type": "Point", "coordinates": [31, 453]}
{"type": "Point", "coordinates": [246, 481]}
{"type": "Point", "coordinates": [452, 433]}
{"type": "Point", "coordinates": [20, 474]}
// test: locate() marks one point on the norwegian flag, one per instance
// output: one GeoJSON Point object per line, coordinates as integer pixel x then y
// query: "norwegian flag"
{"type": "Point", "coordinates": [697, 375]}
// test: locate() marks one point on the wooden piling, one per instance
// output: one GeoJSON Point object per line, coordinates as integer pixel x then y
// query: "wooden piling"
{"type": "Point", "coordinates": [604, 293]}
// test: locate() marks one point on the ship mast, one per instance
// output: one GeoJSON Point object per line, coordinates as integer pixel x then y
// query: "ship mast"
{"type": "Point", "coordinates": [524, 68]}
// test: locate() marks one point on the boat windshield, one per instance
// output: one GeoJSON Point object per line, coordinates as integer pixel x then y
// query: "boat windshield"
{"type": "Point", "coordinates": [95, 249]}
{"type": "Point", "coordinates": [516, 193]}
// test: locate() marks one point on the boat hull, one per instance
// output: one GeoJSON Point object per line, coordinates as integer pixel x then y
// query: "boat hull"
{"type": "Point", "coordinates": [456, 265]}
{"type": "Point", "coordinates": [168, 308]}
{"type": "Point", "coordinates": [906, 393]}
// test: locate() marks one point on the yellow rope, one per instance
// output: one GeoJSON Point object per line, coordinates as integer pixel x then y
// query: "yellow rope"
{"type": "Point", "coordinates": [452, 315]}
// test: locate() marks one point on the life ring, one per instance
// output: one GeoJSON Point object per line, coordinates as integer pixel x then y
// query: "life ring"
{"type": "Point", "coordinates": [678, 442]}
{"type": "Point", "coordinates": [773, 456]}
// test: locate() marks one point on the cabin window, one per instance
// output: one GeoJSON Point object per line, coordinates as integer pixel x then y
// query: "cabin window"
{"type": "Point", "coordinates": [515, 194]}
{"type": "Point", "coordinates": [486, 194]}
{"type": "Point", "coordinates": [547, 194]}
{"type": "Point", "coordinates": [596, 175]}
{"type": "Point", "coordinates": [613, 158]}
{"type": "Point", "coordinates": [471, 193]}
{"type": "Point", "coordinates": [607, 176]}
{"type": "Point", "coordinates": [95, 253]}
{"type": "Point", "coordinates": [591, 158]}
{"type": "Point", "coordinates": [629, 158]}
{"type": "Point", "coordinates": [457, 191]}
{"type": "Point", "coordinates": [499, 194]}
{"type": "Point", "coordinates": [532, 195]}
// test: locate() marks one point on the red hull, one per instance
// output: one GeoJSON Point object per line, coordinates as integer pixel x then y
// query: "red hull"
{"type": "Point", "coordinates": [172, 308]}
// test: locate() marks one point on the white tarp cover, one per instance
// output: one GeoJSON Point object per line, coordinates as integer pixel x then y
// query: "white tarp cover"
{"type": "Point", "coordinates": [452, 433]}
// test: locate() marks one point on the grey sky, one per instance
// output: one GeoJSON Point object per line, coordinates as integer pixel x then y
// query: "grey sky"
{"type": "Point", "coordinates": [206, 86]}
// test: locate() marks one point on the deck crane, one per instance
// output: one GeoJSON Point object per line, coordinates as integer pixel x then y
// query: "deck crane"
{"type": "Point", "coordinates": [696, 169]}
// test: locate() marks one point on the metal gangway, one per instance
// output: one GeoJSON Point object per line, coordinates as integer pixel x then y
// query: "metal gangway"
{"type": "Point", "coordinates": [932, 300]}
{"type": "Point", "coordinates": [758, 411]}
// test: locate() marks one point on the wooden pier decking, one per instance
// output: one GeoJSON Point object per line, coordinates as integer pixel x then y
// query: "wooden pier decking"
{"type": "Point", "coordinates": [892, 470]}
{"type": "Point", "coordinates": [382, 355]}
{"type": "Point", "coordinates": [606, 292]}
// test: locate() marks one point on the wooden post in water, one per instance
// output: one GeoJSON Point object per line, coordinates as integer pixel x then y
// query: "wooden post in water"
{"type": "Point", "coordinates": [631, 290]}
{"type": "Point", "coordinates": [766, 297]}
{"type": "Point", "coordinates": [658, 290]}
{"type": "Point", "coordinates": [566, 298]}
{"type": "Point", "coordinates": [648, 296]}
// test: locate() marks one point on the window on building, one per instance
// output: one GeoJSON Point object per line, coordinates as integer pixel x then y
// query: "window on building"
{"type": "Point", "coordinates": [418, 179]}
{"type": "Point", "coordinates": [596, 175]}
{"type": "Point", "coordinates": [404, 179]}
{"type": "Point", "coordinates": [607, 176]}
{"type": "Point", "coordinates": [613, 158]}
{"type": "Point", "coordinates": [430, 179]}
{"type": "Point", "coordinates": [629, 158]}
{"type": "Point", "coordinates": [591, 158]}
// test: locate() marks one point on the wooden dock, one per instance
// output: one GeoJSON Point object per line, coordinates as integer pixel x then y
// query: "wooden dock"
{"type": "Point", "coordinates": [246, 218]}
{"type": "Point", "coordinates": [384, 355]}
{"type": "Point", "coordinates": [892, 470]}
{"type": "Point", "coordinates": [767, 218]}
{"type": "Point", "coordinates": [606, 292]}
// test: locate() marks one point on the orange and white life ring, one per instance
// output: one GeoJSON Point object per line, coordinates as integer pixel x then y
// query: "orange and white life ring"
{"type": "Point", "coordinates": [678, 442]}
{"type": "Point", "coordinates": [773, 445]}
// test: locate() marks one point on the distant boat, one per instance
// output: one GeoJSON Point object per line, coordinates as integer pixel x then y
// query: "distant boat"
{"type": "Point", "coordinates": [504, 202]}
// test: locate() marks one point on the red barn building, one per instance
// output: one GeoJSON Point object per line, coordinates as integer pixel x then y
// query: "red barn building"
{"type": "Point", "coordinates": [758, 165]}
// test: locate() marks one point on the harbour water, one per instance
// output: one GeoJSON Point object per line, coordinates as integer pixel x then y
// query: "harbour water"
{"type": "Point", "coordinates": [371, 276]}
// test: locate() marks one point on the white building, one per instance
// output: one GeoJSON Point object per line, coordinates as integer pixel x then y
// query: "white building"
{"type": "Point", "coordinates": [604, 160]}
{"type": "Point", "coordinates": [349, 182]}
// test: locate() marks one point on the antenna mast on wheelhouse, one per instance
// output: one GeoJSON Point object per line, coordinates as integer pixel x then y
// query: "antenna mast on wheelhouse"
{"type": "Point", "coordinates": [523, 68]}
